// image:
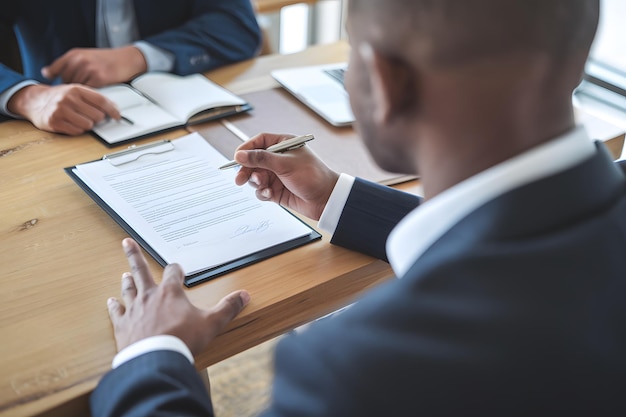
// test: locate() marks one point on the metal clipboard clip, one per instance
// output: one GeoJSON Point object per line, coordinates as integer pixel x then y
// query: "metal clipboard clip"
{"type": "Point", "coordinates": [135, 152]}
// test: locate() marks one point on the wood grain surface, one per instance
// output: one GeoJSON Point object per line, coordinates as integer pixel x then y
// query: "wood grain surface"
{"type": "Point", "coordinates": [61, 258]}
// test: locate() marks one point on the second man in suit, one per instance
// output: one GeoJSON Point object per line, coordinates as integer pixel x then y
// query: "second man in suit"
{"type": "Point", "coordinates": [93, 43]}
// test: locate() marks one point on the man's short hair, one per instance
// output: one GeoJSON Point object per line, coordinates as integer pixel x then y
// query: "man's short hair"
{"type": "Point", "coordinates": [451, 32]}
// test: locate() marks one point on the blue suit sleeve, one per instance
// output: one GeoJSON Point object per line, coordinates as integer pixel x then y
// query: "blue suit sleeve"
{"type": "Point", "coordinates": [371, 212]}
{"type": "Point", "coordinates": [8, 77]}
{"type": "Point", "coordinates": [222, 32]}
{"type": "Point", "coordinates": [161, 383]}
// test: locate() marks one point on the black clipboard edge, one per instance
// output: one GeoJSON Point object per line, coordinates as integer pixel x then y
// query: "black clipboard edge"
{"type": "Point", "coordinates": [256, 257]}
{"type": "Point", "coordinates": [244, 108]}
{"type": "Point", "coordinates": [210, 273]}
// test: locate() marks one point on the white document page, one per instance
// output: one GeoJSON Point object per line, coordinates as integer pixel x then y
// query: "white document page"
{"type": "Point", "coordinates": [188, 210]}
{"type": "Point", "coordinates": [146, 117]}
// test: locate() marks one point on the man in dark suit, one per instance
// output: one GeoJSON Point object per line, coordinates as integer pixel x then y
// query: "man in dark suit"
{"type": "Point", "coordinates": [510, 292]}
{"type": "Point", "coordinates": [100, 42]}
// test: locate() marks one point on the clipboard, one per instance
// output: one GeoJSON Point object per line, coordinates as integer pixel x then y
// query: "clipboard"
{"type": "Point", "coordinates": [133, 153]}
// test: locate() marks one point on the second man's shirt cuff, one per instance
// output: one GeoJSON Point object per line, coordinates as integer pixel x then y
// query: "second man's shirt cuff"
{"type": "Point", "coordinates": [7, 94]}
{"type": "Point", "coordinates": [157, 59]}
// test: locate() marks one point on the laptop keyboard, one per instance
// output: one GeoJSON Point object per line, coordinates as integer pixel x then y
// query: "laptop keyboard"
{"type": "Point", "coordinates": [337, 74]}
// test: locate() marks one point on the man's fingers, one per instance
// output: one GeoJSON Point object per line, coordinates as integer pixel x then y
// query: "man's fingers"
{"type": "Point", "coordinates": [138, 265]}
{"type": "Point", "coordinates": [71, 73]}
{"type": "Point", "coordinates": [227, 309]}
{"type": "Point", "coordinates": [49, 72]}
{"type": "Point", "coordinates": [116, 310]}
{"type": "Point", "coordinates": [81, 109]}
{"type": "Point", "coordinates": [45, 71]}
{"type": "Point", "coordinates": [262, 141]}
{"type": "Point", "coordinates": [259, 158]}
{"type": "Point", "coordinates": [129, 290]}
{"type": "Point", "coordinates": [256, 179]}
{"type": "Point", "coordinates": [80, 75]}
{"type": "Point", "coordinates": [55, 68]}
{"type": "Point", "coordinates": [252, 155]}
{"type": "Point", "coordinates": [69, 67]}
{"type": "Point", "coordinates": [174, 275]}
{"type": "Point", "coordinates": [66, 127]}
{"type": "Point", "coordinates": [101, 103]}
{"type": "Point", "coordinates": [75, 116]}
{"type": "Point", "coordinates": [264, 194]}
{"type": "Point", "coordinates": [91, 113]}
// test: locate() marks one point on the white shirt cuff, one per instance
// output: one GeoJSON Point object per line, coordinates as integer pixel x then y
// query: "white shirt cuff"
{"type": "Point", "coordinates": [157, 59]}
{"type": "Point", "coordinates": [332, 212]}
{"type": "Point", "coordinates": [7, 94]}
{"type": "Point", "coordinates": [152, 344]}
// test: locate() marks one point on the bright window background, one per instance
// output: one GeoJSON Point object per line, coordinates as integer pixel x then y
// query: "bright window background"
{"type": "Point", "coordinates": [610, 44]}
{"type": "Point", "coordinates": [303, 25]}
{"type": "Point", "coordinates": [298, 26]}
{"type": "Point", "coordinates": [608, 63]}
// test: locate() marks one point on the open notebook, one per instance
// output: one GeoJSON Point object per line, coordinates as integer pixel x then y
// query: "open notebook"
{"type": "Point", "coordinates": [155, 102]}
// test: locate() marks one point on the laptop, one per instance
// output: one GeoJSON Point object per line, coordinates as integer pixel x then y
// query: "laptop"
{"type": "Point", "coordinates": [321, 88]}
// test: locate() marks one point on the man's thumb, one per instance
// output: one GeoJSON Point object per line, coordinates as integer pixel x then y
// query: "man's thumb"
{"type": "Point", "coordinates": [229, 307]}
{"type": "Point", "coordinates": [258, 158]}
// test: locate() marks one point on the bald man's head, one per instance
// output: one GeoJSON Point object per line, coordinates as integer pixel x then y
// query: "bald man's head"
{"type": "Point", "coordinates": [453, 32]}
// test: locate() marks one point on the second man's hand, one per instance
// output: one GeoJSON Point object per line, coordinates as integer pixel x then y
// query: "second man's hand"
{"type": "Point", "coordinates": [97, 67]}
{"type": "Point", "coordinates": [70, 109]}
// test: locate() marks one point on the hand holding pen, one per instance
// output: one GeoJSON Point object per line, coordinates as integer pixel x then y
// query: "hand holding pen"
{"type": "Point", "coordinates": [296, 179]}
{"type": "Point", "coordinates": [280, 147]}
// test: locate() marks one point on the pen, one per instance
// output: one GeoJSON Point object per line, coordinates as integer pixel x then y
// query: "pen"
{"type": "Point", "coordinates": [122, 118]}
{"type": "Point", "coordinates": [127, 120]}
{"type": "Point", "coordinates": [284, 146]}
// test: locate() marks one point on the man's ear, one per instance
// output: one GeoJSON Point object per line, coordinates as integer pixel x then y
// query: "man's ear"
{"type": "Point", "coordinates": [391, 81]}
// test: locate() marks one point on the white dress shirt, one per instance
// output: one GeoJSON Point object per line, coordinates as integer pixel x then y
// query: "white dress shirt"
{"type": "Point", "coordinates": [116, 26]}
{"type": "Point", "coordinates": [431, 219]}
{"type": "Point", "coordinates": [152, 344]}
{"type": "Point", "coordinates": [423, 226]}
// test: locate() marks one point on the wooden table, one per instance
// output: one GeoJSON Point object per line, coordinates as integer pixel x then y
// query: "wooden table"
{"type": "Point", "coordinates": [61, 259]}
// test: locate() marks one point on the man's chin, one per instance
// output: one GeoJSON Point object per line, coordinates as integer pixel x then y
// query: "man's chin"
{"type": "Point", "coordinates": [393, 163]}
{"type": "Point", "coordinates": [389, 159]}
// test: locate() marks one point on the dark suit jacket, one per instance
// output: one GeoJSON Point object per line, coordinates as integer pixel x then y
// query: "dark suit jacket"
{"type": "Point", "coordinates": [202, 34]}
{"type": "Point", "coordinates": [518, 310]}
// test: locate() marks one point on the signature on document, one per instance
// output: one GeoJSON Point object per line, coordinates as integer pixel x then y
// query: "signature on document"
{"type": "Point", "coordinates": [245, 229]}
